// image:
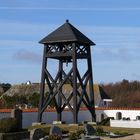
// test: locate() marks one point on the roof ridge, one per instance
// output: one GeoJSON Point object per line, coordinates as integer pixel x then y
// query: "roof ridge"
{"type": "Point", "coordinates": [71, 29]}
{"type": "Point", "coordinates": [66, 33]}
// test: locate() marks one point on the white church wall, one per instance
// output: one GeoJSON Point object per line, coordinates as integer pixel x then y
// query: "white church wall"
{"type": "Point", "coordinates": [132, 114]}
{"type": "Point", "coordinates": [125, 123]}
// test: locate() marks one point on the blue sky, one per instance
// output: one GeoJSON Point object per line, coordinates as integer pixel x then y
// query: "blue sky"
{"type": "Point", "coordinates": [114, 25]}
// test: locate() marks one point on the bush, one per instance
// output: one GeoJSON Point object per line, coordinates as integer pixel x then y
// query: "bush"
{"type": "Point", "coordinates": [99, 130]}
{"type": "Point", "coordinates": [54, 137]}
{"type": "Point", "coordinates": [44, 127]}
{"type": "Point", "coordinates": [8, 125]}
{"type": "Point", "coordinates": [73, 136]}
{"type": "Point", "coordinates": [120, 133]}
{"type": "Point", "coordinates": [106, 121]}
{"type": "Point", "coordinates": [46, 130]}
{"type": "Point", "coordinates": [64, 131]}
{"type": "Point", "coordinates": [80, 132]}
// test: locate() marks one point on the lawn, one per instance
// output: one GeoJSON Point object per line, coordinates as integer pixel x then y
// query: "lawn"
{"type": "Point", "coordinates": [74, 128]}
{"type": "Point", "coordinates": [115, 129]}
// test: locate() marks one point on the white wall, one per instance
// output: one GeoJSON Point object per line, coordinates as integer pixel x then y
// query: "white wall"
{"type": "Point", "coordinates": [132, 114]}
{"type": "Point", "coordinates": [126, 124]}
{"type": "Point", "coordinates": [125, 113]}
{"type": "Point", "coordinates": [29, 117]}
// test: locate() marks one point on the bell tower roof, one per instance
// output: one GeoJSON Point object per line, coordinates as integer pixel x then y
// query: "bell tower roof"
{"type": "Point", "coordinates": [66, 33]}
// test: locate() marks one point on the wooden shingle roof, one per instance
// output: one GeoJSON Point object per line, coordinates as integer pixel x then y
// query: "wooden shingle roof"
{"type": "Point", "coordinates": [66, 33]}
{"type": "Point", "coordinates": [99, 94]}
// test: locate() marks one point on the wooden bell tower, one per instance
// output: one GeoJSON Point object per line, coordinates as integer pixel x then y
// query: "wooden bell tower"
{"type": "Point", "coordinates": [66, 45]}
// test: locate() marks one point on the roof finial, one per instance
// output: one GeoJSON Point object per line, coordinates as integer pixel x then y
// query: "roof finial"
{"type": "Point", "coordinates": [67, 20]}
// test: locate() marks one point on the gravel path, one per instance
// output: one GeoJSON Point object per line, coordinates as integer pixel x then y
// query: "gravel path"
{"type": "Point", "coordinates": [132, 137]}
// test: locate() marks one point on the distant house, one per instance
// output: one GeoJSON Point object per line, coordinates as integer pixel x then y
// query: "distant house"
{"type": "Point", "coordinates": [28, 83]}
{"type": "Point", "coordinates": [100, 97]}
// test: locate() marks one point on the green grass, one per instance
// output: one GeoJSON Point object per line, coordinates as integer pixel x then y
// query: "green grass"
{"type": "Point", "coordinates": [74, 128]}
{"type": "Point", "coordinates": [122, 130]}
{"type": "Point", "coordinates": [64, 127]}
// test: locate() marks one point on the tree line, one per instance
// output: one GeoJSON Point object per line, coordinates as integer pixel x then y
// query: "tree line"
{"type": "Point", "coordinates": [31, 101]}
{"type": "Point", "coordinates": [124, 94]}
{"type": "Point", "coordinates": [5, 86]}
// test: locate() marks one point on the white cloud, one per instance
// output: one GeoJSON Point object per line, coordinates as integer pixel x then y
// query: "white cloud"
{"type": "Point", "coordinates": [24, 29]}
{"type": "Point", "coordinates": [17, 43]}
{"type": "Point", "coordinates": [73, 9]}
{"type": "Point", "coordinates": [112, 42]}
{"type": "Point", "coordinates": [102, 34]}
{"type": "Point", "coordinates": [137, 76]}
{"type": "Point", "coordinates": [28, 56]}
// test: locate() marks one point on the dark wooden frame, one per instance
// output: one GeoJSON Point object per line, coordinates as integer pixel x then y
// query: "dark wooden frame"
{"type": "Point", "coordinates": [68, 52]}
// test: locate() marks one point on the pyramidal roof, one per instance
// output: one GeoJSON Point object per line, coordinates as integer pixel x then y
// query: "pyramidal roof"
{"type": "Point", "coordinates": [66, 33]}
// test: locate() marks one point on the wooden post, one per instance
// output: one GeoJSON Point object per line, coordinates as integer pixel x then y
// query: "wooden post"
{"type": "Point", "coordinates": [59, 113]}
{"type": "Point", "coordinates": [75, 117]}
{"type": "Point", "coordinates": [42, 85]}
{"type": "Point", "coordinates": [17, 114]}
